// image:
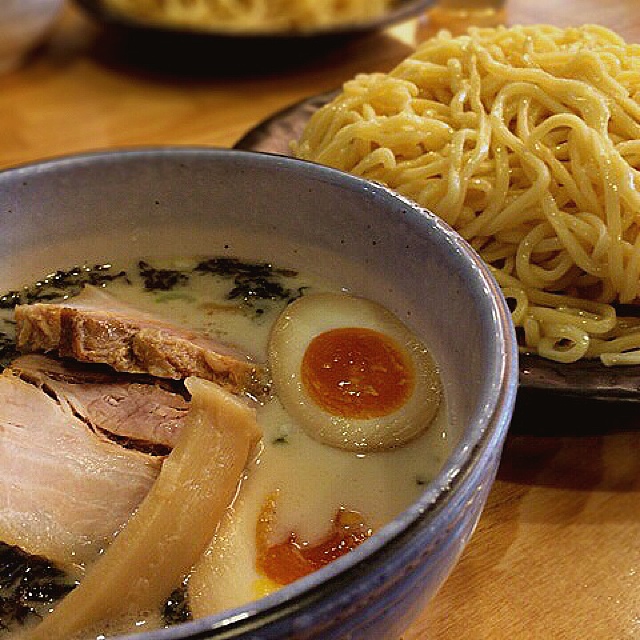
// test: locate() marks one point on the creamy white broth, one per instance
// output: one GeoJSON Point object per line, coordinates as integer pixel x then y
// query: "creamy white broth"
{"type": "Point", "coordinates": [379, 484]}
{"type": "Point", "coordinates": [313, 480]}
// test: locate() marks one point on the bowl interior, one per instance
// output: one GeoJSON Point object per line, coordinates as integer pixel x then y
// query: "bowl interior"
{"type": "Point", "coordinates": [104, 207]}
{"type": "Point", "coordinates": [163, 202]}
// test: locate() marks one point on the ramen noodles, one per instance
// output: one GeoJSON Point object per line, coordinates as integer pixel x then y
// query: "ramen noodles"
{"type": "Point", "coordinates": [527, 141]}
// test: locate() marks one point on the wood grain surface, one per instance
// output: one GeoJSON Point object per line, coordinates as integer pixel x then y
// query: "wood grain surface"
{"type": "Point", "coordinates": [556, 554]}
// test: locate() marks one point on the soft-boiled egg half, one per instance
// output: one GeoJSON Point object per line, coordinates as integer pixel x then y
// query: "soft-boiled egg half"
{"type": "Point", "coordinates": [351, 373]}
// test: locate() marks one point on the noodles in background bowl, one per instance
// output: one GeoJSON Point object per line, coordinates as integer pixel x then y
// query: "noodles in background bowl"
{"type": "Point", "coordinates": [526, 140]}
{"type": "Point", "coordinates": [252, 15]}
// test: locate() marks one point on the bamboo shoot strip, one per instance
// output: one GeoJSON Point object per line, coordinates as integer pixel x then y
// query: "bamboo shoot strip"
{"type": "Point", "coordinates": [173, 524]}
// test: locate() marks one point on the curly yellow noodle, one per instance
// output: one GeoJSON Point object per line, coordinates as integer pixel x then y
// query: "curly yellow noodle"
{"type": "Point", "coordinates": [251, 15]}
{"type": "Point", "coordinates": [527, 141]}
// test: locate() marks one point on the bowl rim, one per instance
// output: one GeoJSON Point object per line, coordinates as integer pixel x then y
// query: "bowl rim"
{"type": "Point", "coordinates": [483, 435]}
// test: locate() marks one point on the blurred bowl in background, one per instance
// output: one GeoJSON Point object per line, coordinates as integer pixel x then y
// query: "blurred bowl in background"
{"type": "Point", "coordinates": [189, 47]}
{"type": "Point", "coordinates": [400, 10]}
{"type": "Point", "coordinates": [24, 24]}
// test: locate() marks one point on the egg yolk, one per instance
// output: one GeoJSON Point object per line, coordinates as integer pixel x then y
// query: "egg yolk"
{"type": "Point", "coordinates": [357, 373]}
{"type": "Point", "coordinates": [285, 562]}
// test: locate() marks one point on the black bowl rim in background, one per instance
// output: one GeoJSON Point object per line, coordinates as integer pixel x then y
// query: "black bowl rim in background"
{"type": "Point", "coordinates": [186, 51]}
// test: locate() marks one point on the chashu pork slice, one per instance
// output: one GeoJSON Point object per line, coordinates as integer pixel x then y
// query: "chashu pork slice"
{"type": "Point", "coordinates": [96, 327]}
{"type": "Point", "coordinates": [138, 411]}
{"type": "Point", "coordinates": [66, 488]}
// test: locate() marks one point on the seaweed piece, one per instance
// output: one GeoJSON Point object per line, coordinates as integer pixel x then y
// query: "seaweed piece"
{"type": "Point", "coordinates": [252, 282]}
{"type": "Point", "coordinates": [8, 350]}
{"type": "Point", "coordinates": [29, 584]}
{"type": "Point", "coordinates": [12, 611]}
{"type": "Point", "coordinates": [176, 609]}
{"type": "Point", "coordinates": [234, 267]}
{"type": "Point", "coordinates": [60, 284]}
{"type": "Point", "coordinates": [250, 288]}
{"type": "Point", "coordinates": [160, 279]}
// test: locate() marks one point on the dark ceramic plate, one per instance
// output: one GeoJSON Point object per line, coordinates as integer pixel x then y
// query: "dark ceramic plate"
{"type": "Point", "coordinates": [587, 379]}
{"type": "Point", "coordinates": [402, 10]}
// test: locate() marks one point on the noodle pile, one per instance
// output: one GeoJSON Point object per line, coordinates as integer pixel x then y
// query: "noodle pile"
{"type": "Point", "coordinates": [252, 15]}
{"type": "Point", "coordinates": [526, 140]}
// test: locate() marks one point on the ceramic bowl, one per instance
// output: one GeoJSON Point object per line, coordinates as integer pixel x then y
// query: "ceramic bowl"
{"type": "Point", "coordinates": [24, 24]}
{"type": "Point", "coordinates": [184, 200]}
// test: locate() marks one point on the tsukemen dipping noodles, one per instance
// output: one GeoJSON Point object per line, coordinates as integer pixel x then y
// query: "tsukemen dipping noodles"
{"type": "Point", "coordinates": [526, 140]}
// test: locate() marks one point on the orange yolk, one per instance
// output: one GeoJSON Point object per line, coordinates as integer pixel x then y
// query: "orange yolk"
{"type": "Point", "coordinates": [285, 562]}
{"type": "Point", "coordinates": [357, 373]}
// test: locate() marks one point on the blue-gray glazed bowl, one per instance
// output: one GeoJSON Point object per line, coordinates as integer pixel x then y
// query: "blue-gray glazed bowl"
{"type": "Point", "coordinates": [188, 200]}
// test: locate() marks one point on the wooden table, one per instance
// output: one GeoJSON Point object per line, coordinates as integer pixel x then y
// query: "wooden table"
{"type": "Point", "coordinates": [557, 550]}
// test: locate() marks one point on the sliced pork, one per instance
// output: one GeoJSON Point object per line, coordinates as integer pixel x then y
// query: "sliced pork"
{"type": "Point", "coordinates": [96, 327]}
{"type": "Point", "coordinates": [138, 411]}
{"type": "Point", "coordinates": [65, 489]}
